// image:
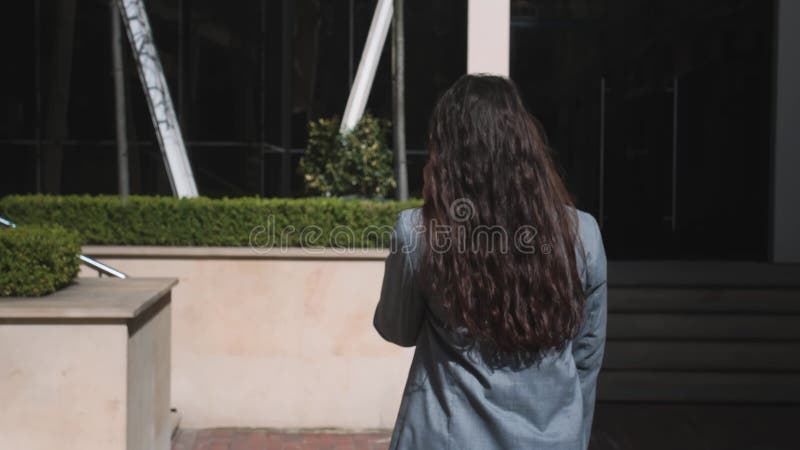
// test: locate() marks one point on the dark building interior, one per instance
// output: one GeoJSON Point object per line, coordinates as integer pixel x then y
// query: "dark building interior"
{"type": "Point", "coordinates": [245, 82]}
{"type": "Point", "coordinates": [659, 112]}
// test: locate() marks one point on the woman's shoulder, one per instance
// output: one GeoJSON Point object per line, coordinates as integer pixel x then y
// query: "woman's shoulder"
{"type": "Point", "coordinates": [587, 227]}
{"type": "Point", "coordinates": [593, 261]}
{"type": "Point", "coordinates": [411, 216]}
{"type": "Point", "coordinates": [408, 223]}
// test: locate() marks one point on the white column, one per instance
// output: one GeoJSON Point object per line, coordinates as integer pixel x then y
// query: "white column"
{"type": "Point", "coordinates": [362, 85]}
{"type": "Point", "coordinates": [785, 245]}
{"type": "Point", "coordinates": [488, 35]}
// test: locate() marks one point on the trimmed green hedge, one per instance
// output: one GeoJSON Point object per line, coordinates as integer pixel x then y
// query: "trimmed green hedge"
{"type": "Point", "coordinates": [37, 260]}
{"type": "Point", "coordinates": [169, 221]}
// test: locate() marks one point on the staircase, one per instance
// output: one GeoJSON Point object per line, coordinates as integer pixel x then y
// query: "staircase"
{"type": "Point", "coordinates": [708, 350]}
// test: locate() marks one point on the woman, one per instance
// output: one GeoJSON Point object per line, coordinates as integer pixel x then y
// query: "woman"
{"type": "Point", "coordinates": [499, 282]}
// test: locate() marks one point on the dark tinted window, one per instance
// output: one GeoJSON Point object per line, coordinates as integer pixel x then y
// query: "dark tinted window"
{"type": "Point", "coordinates": [660, 115]}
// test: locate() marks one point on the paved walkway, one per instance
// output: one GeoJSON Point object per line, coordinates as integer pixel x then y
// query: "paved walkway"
{"type": "Point", "coordinates": [255, 439]}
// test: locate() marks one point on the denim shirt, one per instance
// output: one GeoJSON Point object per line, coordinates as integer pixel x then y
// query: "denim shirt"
{"type": "Point", "coordinates": [454, 398]}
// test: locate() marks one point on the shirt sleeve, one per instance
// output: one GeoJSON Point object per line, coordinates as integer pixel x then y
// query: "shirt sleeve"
{"type": "Point", "coordinates": [401, 308]}
{"type": "Point", "coordinates": [589, 346]}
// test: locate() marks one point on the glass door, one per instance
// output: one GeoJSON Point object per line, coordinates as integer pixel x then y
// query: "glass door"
{"type": "Point", "coordinates": [659, 114]}
{"type": "Point", "coordinates": [639, 177]}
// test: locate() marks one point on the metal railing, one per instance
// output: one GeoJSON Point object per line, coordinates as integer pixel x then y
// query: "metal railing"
{"type": "Point", "coordinates": [102, 269]}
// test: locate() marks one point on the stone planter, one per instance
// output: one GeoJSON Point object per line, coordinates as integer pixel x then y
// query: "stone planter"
{"type": "Point", "coordinates": [88, 367]}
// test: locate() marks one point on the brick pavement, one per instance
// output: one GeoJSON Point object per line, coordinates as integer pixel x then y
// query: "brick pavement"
{"type": "Point", "coordinates": [261, 439]}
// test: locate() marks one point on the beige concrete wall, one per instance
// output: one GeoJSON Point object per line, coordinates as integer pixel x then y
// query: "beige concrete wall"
{"type": "Point", "coordinates": [149, 347]}
{"type": "Point", "coordinates": [44, 403]}
{"type": "Point", "coordinates": [276, 341]}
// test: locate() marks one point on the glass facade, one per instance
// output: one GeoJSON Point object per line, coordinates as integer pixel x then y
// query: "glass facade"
{"type": "Point", "coordinates": [659, 112]}
{"type": "Point", "coordinates": [245, 81]}
{"type": "Point", "coordinates": [660, 115]}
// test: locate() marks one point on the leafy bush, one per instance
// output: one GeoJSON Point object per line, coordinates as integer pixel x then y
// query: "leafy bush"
{"type": "Point", "coordinates": [37, 260]}
{"type": "Point", "coordinates": [170, 221]}
{"type": "Point", "coordinates": [356, 163]}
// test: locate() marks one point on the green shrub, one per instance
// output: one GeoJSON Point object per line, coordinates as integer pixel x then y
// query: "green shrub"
{"type": "Point", "coordinates": [169, 221]}
{"type": "Point", "coordinates": [37, 260]}
{"type": "Point", "coordinates": [357, 163]}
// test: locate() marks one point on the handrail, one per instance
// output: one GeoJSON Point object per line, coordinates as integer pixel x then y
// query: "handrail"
{"type": "Point", "coordinates": [7, 222]}
{"type": "Point", "coordinates": [101, 268]}
{"type": "Point", "coordinates": [86, 260]}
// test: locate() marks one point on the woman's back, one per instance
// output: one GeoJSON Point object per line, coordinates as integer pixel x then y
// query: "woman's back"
{"type": "Point", "coordinates": [500, 283]}
{"type": "Point", "coordinates": [459, 397]}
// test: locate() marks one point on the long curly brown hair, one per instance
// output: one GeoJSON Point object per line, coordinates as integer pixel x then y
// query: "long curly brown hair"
{"type": "Point", "coordinates": [490, 174]}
